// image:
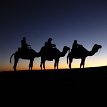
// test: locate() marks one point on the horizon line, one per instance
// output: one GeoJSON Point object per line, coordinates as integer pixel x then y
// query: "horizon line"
{"type": "Point", "coordinates": [50, 69]}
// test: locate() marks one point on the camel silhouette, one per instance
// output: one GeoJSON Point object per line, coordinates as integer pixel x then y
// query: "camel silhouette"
{"type": "Point", "coordinates": [82, 53]}
{"type": "Point", "coordinates": [51, 54]}
{"type": "Point", "coordinates": [29, 54]}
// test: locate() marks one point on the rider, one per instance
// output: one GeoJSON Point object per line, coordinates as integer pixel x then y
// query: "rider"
{"type": "Point", "coordinates": [49, 45]}
{"type": "Point", "coordinates": [24, 45]}
{"type": "Point", "coordinates": [75, 46]}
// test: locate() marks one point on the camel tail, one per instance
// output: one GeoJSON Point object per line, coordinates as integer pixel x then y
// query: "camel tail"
{"type": "Point", "coordinates": [11, 58]}
{"type": "Point", "coordinates": [68, 56]}
{"type": "Point", "coordinates": [67, 59]}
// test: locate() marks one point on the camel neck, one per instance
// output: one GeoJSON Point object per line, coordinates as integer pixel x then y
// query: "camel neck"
{"type": "Point", "coordinates": [63, 53]}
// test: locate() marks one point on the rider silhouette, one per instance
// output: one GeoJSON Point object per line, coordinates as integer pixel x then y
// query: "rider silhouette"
{"type": "Point", "coordinates": [49, 47]}
{"type": "Point", "coordinates": [24, 45]}
{"type": "Point", "coordinates": [75, 46]}
{"type": "Point", "coordinates": [48, 44]}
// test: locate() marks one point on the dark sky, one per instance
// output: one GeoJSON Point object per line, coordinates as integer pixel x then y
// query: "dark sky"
{"type": "Point", "coordinates": [63, 20]}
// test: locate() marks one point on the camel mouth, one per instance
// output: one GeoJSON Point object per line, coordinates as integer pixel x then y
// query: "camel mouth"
{"type": "Point", "coordinates": [100, 46]}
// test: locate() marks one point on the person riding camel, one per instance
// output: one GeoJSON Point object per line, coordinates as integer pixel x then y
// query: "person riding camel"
{"type": "Point", "coordinates": [75, 46]}
{"type": "Point", "coordinates": [49, 45]}
{"type": "Point", "coordinates": [24, 45]}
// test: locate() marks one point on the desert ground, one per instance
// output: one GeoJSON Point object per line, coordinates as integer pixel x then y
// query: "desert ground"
{"type": "Point", "coordinates": [80, 85]}
{"type": "Point", "coordinates": [93, 77]}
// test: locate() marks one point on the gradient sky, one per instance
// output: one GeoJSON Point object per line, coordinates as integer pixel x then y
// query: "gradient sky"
{"type": "Point", "coordinates": [63, 20]}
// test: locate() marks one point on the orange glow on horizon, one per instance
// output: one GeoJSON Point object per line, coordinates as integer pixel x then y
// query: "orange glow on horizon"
{"type": "Point", "coordinates": [24, 65]}
{"type": "Point", "coordinates": [9, 68]}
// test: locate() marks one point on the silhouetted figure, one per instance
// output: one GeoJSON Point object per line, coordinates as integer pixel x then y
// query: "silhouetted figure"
{"type": "Point", "coordinates": [49, 55]}
{"type": "Point", "coordinates": [75, 46]}
{"type": "Point", "coordinates": [81, 53]}
{"type": "Point", "coordinates": [49, 47]}
{"type": "Point", "coordinates": [28, 55]}
{"type": "Point", "coordinates": [48, 44]}
{"type": "Point", "coordinates": [24, 53]}
{"type": "Point", "coordinates": [50, 52]}
{"type": "Point", "coordinates": [24, 45]}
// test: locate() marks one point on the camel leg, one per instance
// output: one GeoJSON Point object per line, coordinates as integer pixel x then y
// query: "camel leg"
{"type": "Point", "coordinates": [57, 63]}
{"type": "Point", "coordinates": [44, 65]}
{"type": "Point", "coordinates": [70, 61]}
{"type": "Point", "coordinates": [41, 63]}
{"type": "Point", "coordinates": [70, 64]}
{"type": "Point", "coordinates": [82, 62]}
{"type": "Point", "coordinates": [15, 64]}
{"type": "Point", "coordinates": [31, 65]}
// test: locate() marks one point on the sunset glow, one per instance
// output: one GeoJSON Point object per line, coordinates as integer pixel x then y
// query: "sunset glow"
{"type": "Point", "coordinates": [62, 20]}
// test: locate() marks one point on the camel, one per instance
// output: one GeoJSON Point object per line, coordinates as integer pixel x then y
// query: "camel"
{"type": "Point", "coordinates": [29, 54]}
{"type": "Point", "coordinates": [51, 54]}
{"type": "Point", "coordinates": [82, 53]}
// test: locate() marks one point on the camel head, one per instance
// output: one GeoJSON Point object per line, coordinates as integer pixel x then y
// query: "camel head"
{"type": "Point", "coordinates": [65, 49]}
{"type": "Point", "coordinates": [96, 47]}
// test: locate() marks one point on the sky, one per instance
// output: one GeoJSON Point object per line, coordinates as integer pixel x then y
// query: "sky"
{"type": "Point", "coordinates": [62, 20]}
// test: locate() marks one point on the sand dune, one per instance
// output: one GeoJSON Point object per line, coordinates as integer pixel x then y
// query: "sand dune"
{"type": "Point", "coordinates": [74, 78]}
{"type": "Point", "coordinates": [64, 86]}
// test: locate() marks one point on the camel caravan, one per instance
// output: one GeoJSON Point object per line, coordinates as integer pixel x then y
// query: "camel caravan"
{"type": "Point", "coordinates": [49, 52]}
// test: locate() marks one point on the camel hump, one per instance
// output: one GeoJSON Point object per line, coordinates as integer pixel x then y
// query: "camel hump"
{"type": "Point", "coordinates": [48, 52]}
{"type": "Point", "coordinates": [79, 51]}
{"type": "Point", "coordinates": [25, 50]}
{"type": "Point", "coordinates": [45, 49]}
{"type": "Point", "coordinates": [81, 47]}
